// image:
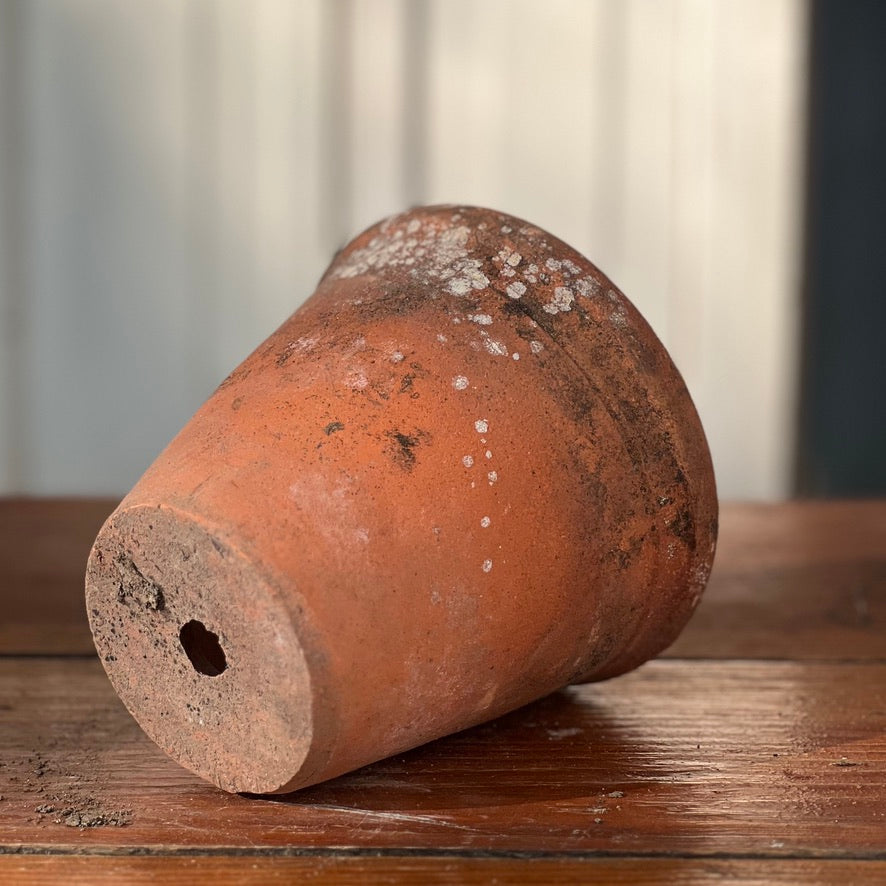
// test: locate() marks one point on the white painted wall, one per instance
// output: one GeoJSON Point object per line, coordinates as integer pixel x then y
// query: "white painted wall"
{"type": "Point", "coordinates": [175, 176]}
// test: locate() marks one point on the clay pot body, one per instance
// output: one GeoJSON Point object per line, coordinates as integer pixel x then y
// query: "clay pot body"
{"type": "Point", "coordinates": [464, 474]}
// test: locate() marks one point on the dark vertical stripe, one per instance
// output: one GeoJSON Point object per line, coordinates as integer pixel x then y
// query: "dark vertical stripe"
{"type": "Point", "coordinates": [842, 422]}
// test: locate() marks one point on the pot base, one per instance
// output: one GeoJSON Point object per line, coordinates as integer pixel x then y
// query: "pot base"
{"type": "Point", "coordinates": [171, 603]}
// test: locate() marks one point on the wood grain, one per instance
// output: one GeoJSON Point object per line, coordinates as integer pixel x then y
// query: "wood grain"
{"type": "Point", "coordinates": [683, 758]}
{"type": "Point", "coordinates": [356, 871]}
{"type": "Point", "coordinates": [44, 544]}
{"type": "Point", "coordinates": [754, 754]}
{"type": "Point", "coordinates": [805, 580]}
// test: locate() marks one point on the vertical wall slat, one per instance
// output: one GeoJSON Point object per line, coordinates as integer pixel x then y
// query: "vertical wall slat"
{"type": "Point", "coordinates": [605, 204]}
{"type": "Point", "coordinates": [747, 398]}
{"type": "Point", "coordinates": [203, 207]}
{"type": "Point", "coordinates": [15, 406]}
{"type": "Point", "coordinates": [336, 111]}
{"type": "Point", "coordinates": [235, 296]}
{"type": "Point", "coordinates": [648, 160]}
{"type": "Point", "coordinates": [414, 111]}
{"type": "Point", "coordinates": [106, 196]}
{"type": "Point", "coordinates": [468, 72]}
{"type": "Point", "coordinates": [548, 141]}
{"type": "Point", "coordinates": [377, 91]}
{"type": "Point", "coordinates": [289, 250]}
{"type": "Point", "coordinates": [689, 228]}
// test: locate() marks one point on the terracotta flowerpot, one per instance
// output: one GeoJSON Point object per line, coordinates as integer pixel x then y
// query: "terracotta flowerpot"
{"type": "Point", "coordinates": [464, 474]}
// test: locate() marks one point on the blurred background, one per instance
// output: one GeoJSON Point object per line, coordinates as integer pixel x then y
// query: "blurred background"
{"type": "Point", "coordinates": [175, 176]}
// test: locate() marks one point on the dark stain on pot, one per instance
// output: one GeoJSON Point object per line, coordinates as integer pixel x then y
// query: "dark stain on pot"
{"type": "Point", "coordinates": [379, 391]}
{"type": "Point", "coordinates": [683, 526]}
{"type": "Point", "coordinates": [406, 382]}
{"type": "Point", "coordinates": [400, 300]}
{"type": "Point", "coordinates": [405, 452]}
{"type": "Point", "coordinates": [619, 556]}
{"type": "Point", "coordinates": [219, 547]}
{"type": "Point", "coordinates": [579, 403]}
{"type": "Point", "coordinates": [511, 308]}
{"type": "Point", "coordinates": [533, 312]}
{"type": "Point", "coordinates": [332, 427]}
{"type": "Point", "coordinates": [284, 356]}
{"type": "Point", "coordinates": [237, 403]}
{"type": "Point", "coordinates": [403, 447]}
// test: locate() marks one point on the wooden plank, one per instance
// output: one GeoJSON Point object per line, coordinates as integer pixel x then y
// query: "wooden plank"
{"type": "Point", "coordinates": [44, 544]}
{"type": "Point", "coordinates": [755, 759]}
{"type": "Point", "coordinates": [802, 580]}
{"type": "Point", "coordinates": [73, 870]}
{"type": "Point", "coordinates": [805, 580]}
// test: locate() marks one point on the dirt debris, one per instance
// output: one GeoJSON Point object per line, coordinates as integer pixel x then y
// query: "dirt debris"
{"type": "Point", "coordinates": [68, 793]}
{"type": "Point", "coordinates": [84, 812]}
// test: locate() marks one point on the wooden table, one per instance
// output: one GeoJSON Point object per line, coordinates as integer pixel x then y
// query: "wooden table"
{"type": "Point", "coordinates": [753, 752]}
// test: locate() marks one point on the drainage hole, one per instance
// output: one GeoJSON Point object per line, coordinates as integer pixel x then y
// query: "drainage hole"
{"type": "Point", "coordinates": [203, 649]}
